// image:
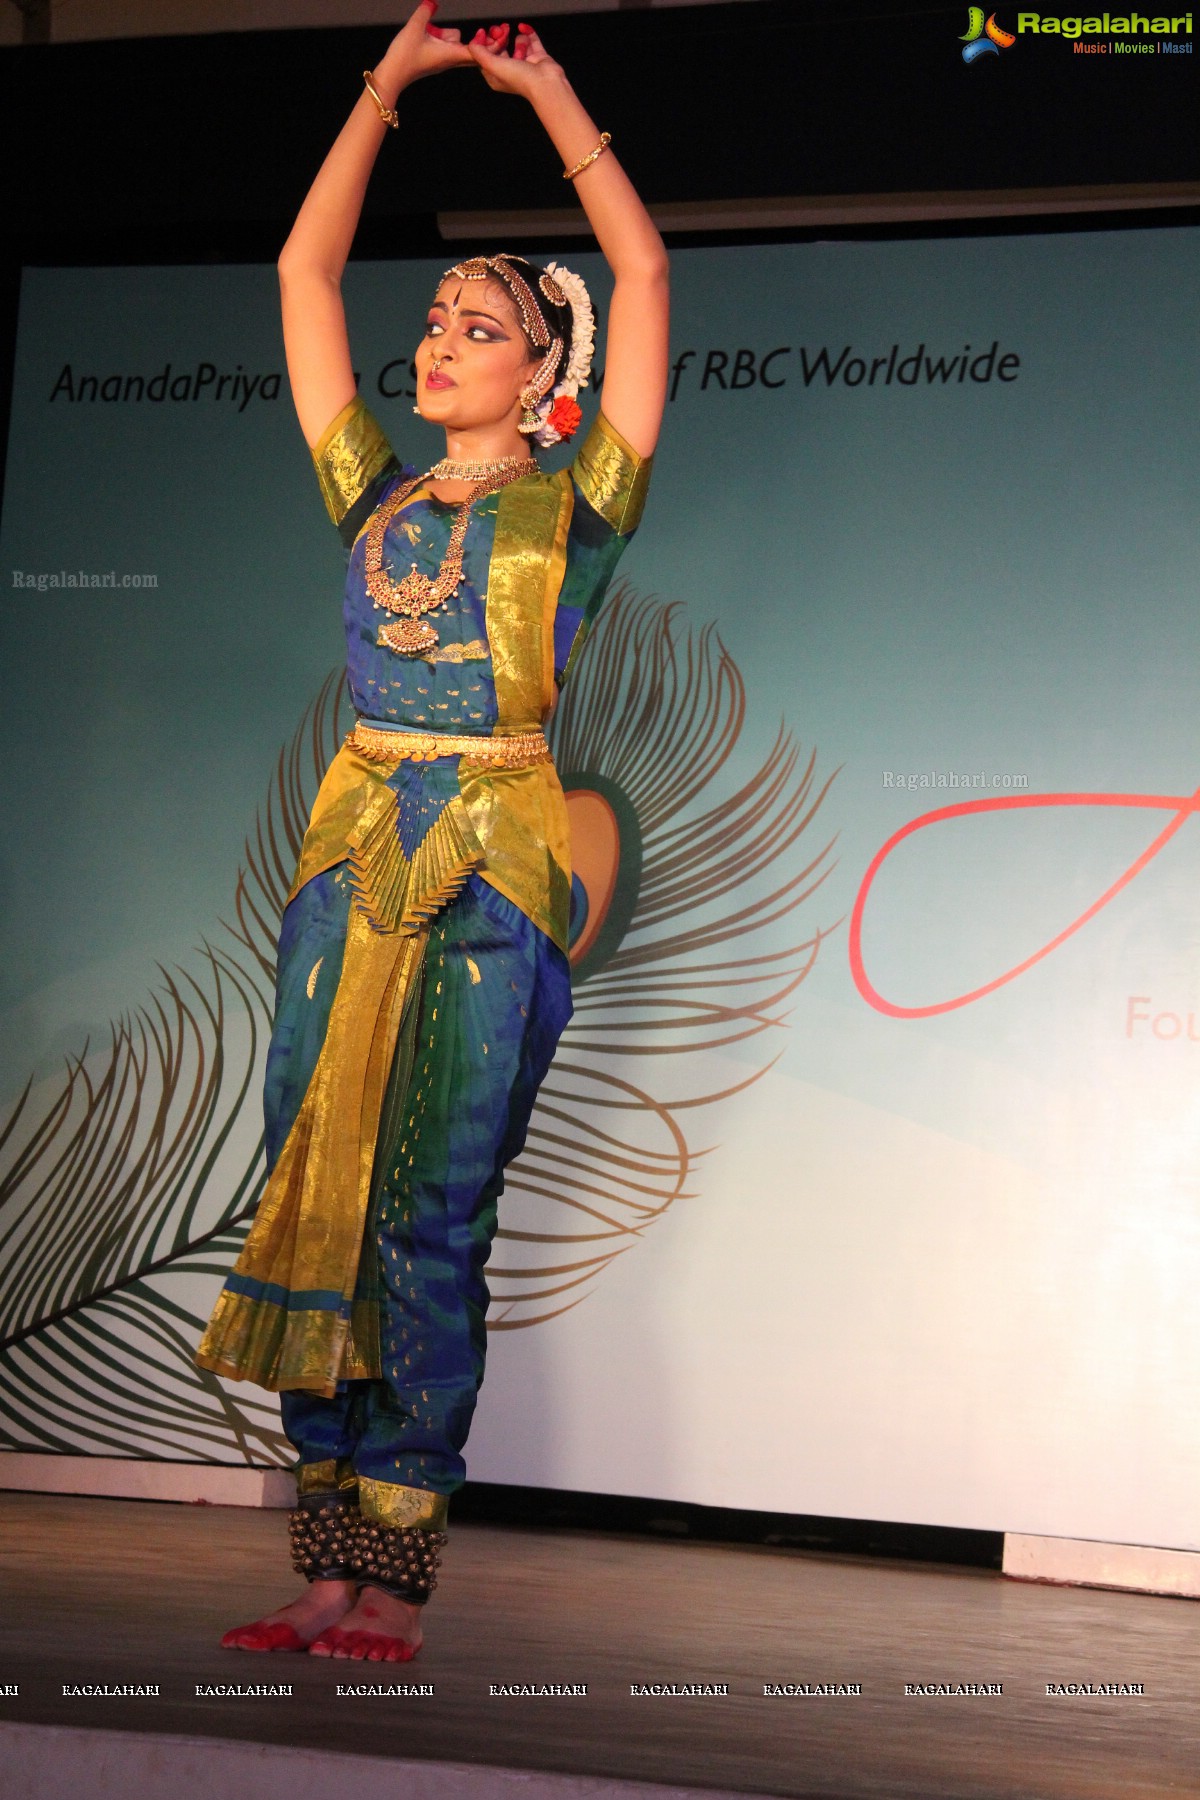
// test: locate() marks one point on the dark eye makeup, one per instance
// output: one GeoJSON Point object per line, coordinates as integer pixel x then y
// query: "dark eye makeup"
{"type": "Point", "coordinates": [490, 330]}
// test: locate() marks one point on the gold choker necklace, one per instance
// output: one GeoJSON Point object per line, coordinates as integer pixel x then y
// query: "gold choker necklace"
{"type": "Point", "coordinates": [416, 594]}
{"type": "Point", "coordinates": [511, 466]}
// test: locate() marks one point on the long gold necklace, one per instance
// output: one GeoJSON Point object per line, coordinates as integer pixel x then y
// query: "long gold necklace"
{"type": "Point", "coordinates": [415, 594]}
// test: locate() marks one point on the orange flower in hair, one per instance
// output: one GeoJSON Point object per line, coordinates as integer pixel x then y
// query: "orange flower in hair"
{"type": "Point", "coordinates": [564, 416]}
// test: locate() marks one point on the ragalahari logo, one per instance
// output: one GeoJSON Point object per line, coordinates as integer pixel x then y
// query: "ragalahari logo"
{"type": "Point", "coordinates": [984, 37]}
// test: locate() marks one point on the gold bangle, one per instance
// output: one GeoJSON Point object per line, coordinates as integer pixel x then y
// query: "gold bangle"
{"type": "Point", "coordinates": [601, 147]}
{"type": "Point", "coordinates": [389, 115]}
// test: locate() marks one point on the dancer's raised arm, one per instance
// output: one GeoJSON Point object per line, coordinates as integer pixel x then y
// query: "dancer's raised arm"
{"type": "Point", "coordinates": [311, 262]}
{"type": "Point", "coordinates": [635, 357]}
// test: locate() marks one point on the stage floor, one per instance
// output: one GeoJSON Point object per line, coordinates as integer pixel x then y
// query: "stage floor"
{"type": "Point", "coordinates": [126, 1592]}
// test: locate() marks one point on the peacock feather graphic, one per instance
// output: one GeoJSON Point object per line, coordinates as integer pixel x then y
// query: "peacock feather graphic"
{"type": "Point", "coordinates": [127, 1183]}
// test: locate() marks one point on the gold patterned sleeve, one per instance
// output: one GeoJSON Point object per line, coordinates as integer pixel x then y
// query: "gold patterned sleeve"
{"type": "Point", "coordinates": [612, 477]}
{"type": "Point", "coordinates": [610, 491]}
{"type": "Point", "coordinates": [351, 456]}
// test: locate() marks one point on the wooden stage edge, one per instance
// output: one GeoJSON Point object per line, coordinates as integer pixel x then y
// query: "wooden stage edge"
{"type": "Point", "coordinates": [564, 1664]}
{"type": "Point", "coordinates": [1068, 1561]}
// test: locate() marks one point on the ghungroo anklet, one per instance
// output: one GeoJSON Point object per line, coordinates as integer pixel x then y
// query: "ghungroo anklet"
{"type": "Point", "coordinates": [324, 1533]}
{"type": "Point", "coordinates": [401, 1559]}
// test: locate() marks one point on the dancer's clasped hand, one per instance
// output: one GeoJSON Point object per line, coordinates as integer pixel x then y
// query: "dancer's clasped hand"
{"type": "Point", "coordinates": [524, 72]}
{"type": "Point", "coordinates": [424, 48]}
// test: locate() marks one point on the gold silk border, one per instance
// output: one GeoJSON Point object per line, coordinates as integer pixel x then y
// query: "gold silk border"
{"type": "Point", "coordinates": [388, 1502]}
{"type": "Point", "coordinates": [246, 1339]}
{"type": "Point", "coordinates": [351, 783]}
{"type": "Point", "coordinates": [612, 477]}
{"type": "Point", "coordinates": [348, 455]}
{"type": "Point", "coordinates": [522, 596]}
{"type": "Point", "coordinates": [308, 1231]}
{"type": "Point", "coordinates": [330, 1476]}
{"type": "Point", "coordinates": [392, 1504]}
{"type": "Point", "coordinates": [520, 819]}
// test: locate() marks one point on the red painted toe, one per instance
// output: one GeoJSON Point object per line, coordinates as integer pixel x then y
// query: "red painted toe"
{"type": "Point", "coordinates": [361, 1646]}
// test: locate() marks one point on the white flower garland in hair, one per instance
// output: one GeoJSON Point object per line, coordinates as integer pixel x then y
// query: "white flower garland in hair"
{"type": "Point", "coordinates": [579, 363]}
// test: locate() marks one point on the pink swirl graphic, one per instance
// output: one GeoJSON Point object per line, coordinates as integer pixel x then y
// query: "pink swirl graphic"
{"type": "Point", "coordinates": [1181, 807]}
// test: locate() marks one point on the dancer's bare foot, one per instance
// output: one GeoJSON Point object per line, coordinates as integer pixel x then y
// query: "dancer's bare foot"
{"type": "Point", "coordinates": [380, 1628]}
{"type": "Point", "coordinates": [294, 1626]}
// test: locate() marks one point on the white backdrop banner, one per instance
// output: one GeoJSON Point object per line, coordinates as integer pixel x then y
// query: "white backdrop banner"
{"type": "Point", "coordinates": [866, 1181]}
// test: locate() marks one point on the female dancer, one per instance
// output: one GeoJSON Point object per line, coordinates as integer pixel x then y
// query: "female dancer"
{"type": "Point", "coordinates": [422, 976]}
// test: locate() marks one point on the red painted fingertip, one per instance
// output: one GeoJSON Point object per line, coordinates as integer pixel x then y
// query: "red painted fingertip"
{"type": "Point", "coordinates": [480, 36]}
{"type": "Point", "coordinates": [527, 29]}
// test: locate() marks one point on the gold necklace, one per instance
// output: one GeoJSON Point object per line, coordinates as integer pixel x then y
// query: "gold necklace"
{"type": "Point", "coordinates": [415, 594]}
{"type": "Point", "coordinates": [449, 470]}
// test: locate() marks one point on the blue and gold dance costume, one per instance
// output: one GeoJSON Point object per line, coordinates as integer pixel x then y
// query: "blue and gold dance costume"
{"type": "Point", "coordinates": [422, 978]}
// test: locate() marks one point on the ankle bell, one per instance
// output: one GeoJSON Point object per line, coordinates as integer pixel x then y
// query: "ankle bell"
{"type": "Point", "coordinates": [323, 1529]}
{"type": "Point", "coordinates": [403, 1560]}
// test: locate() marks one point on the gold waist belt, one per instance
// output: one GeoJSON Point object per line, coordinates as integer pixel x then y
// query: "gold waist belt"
{"type": "Point", "coordinates": [520, 751]}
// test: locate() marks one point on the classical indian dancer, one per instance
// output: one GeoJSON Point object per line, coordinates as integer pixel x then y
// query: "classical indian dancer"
{"type": "Point", "coordinates": [422, 978]}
